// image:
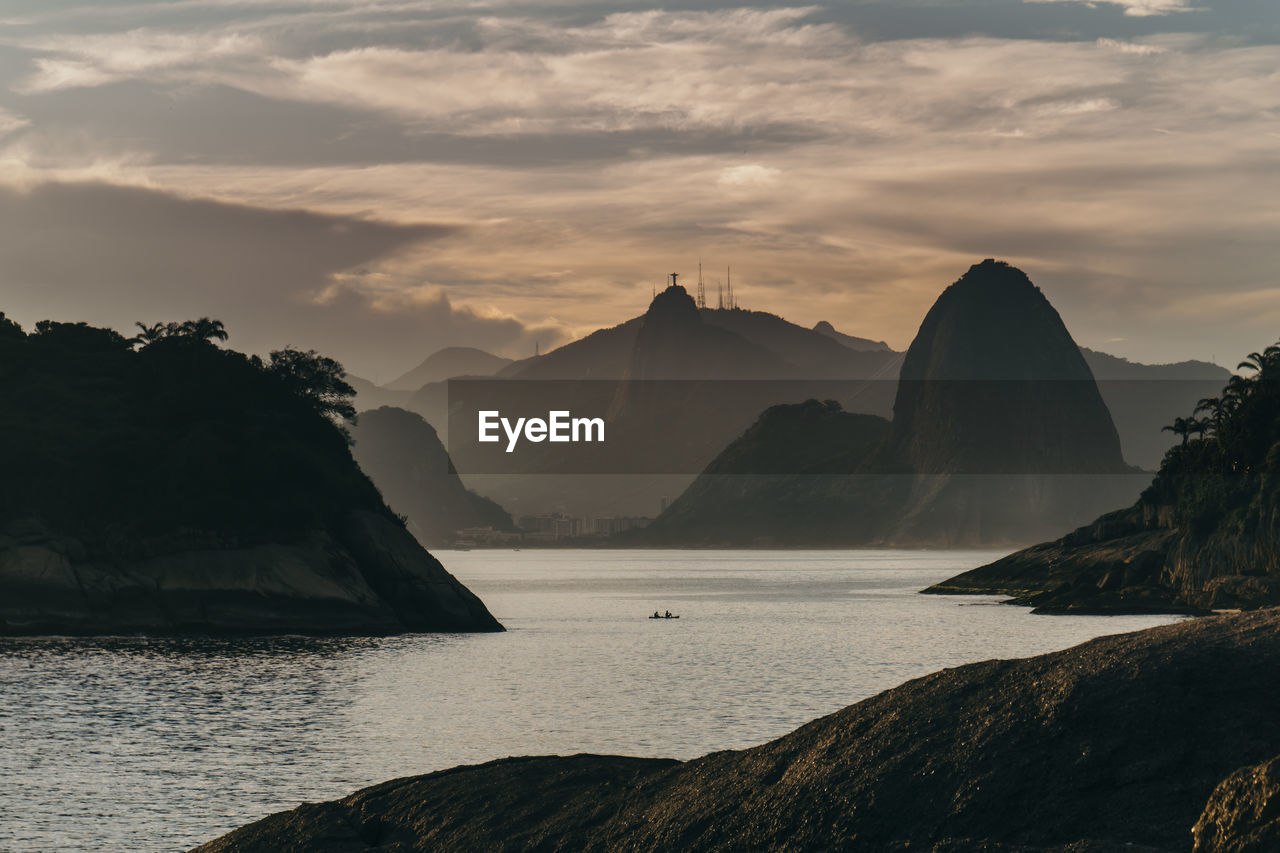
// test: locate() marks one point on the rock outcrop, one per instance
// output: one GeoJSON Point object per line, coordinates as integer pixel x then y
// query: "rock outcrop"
{"type": "Point", "coordinates": [1243, 815]}
{"type": "Point", "coordinates": [1115, 744]}
{"type": "Point", "coordinates": [993, 384]}
{"type": "Point", "coordinates": [1114, 565]}
{"type": "Point", "coordinates": [1134, 561]}
{"type": "Point", "coordinates": [999, 416]}
{"type": "Point", "coordinates": [367, 576]}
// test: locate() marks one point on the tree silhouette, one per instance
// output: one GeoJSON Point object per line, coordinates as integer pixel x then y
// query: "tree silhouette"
{"type": "Point", "coordinates": [119, 442]}
{"type": "Point", "coordinates": [316, 379]}
{"type": "Point", "coordinates": [1231, 474]}
{"type": "Point", "coordinates": [1216, 407]}
{"type": "Point", "coordinates": [1180, 426]}
{"type": "Point", "coordinates": [1264, 363]}
{"type": "Point", "coordinates": [9, 329]}
{"type": "Point", "coordinates": [203, 329]}
{"type": "Point", "coordinates": [149, 334]}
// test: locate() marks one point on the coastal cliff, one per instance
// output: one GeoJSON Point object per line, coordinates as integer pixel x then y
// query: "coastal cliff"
{"type": "Point", "coordinates": [165, 485]}
{"type": "Point", "coordinates": [367, 576]}
{"type": "Point", "coordinates": [1115, 744]}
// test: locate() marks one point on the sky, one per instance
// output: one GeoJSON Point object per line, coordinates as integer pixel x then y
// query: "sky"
{"type": "Point", "coordinates": [380, 178]}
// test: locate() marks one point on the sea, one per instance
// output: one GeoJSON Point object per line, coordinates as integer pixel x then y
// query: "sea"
{"type": "Point", "coordinates": [146, 744]}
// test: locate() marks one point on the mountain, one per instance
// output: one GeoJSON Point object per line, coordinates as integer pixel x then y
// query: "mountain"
{"type": "Point", "coordinates": [793, 351]}
{"type": "Point", "coordinates": [1113, 368]}
{"type": "Point", "coordinates": [370, 396]}
{"type": "Point", "coordinates": [1113, 745]}
{"type": "Point", "coordinates": [999, 416]}
{"type": "Point", "coordinates": [677, 384]}
{"type": "Point", "coordinates": [812, 356]}
{"type": "Point", "coordinates": [184, 488]}
{"type": "Point", "coordinates": [447, 363]}
{"type": "Point", "coordinates": [1205, 534]}
{"type": "Point", "coordinates": [603, 354]}
{"type": "Point", "coordinates": [999, 435]}
{"type": "Point", "coordinates": [861, 344]}
{"type": "Point", "coordinates": [790, 480]}
{"type": "Point", "coordinates": [993, 383]}
{"type": "Point", "coordinates": [674, 342]}
{"type": "Point", "coordinates": [403, 456]}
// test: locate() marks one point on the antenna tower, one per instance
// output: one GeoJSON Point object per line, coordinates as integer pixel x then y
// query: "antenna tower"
{"type": "Point", "coordinates": [702, 293]}
{"type": "Point", "coordinates": [728, 274]}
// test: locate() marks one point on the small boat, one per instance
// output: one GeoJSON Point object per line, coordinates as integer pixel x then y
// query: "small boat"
{"type": "Point", "coordinates": [668, 616]}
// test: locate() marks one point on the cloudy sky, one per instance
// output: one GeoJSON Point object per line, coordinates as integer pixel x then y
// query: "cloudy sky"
{"type": "Point", "coordinates": [378, 178]}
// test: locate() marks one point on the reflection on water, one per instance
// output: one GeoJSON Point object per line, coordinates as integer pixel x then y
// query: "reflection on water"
{"type": "Point", "coordinates": [151, 744]}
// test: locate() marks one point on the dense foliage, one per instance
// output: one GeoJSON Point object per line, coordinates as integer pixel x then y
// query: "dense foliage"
{"type": "Point", "coordinates": [1223, 476]}
{"type": "Point", "coordinates": [120, 438]}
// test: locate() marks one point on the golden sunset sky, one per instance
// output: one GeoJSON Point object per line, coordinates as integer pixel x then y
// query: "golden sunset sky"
{"type": "Point", "coordinates": [380, 179]}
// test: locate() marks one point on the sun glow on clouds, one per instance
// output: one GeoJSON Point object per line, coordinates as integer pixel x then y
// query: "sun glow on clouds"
{"type": "Point", "coordinates": [571, 160]}
{"type": "Point", "coordinates": [1133, 8]}
{"type": "Point", "coordinates": [750, 175]}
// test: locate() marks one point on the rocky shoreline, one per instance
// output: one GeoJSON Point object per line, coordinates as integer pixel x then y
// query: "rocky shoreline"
{"type": "Point", "coordinates": [1132, 561]}
{"type": "Point", "coordinates": [1116, 744]}
{"type": "Point", "coordinates": [365, 576]}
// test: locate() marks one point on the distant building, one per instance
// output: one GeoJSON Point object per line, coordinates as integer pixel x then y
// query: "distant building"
{"type": "Point", "coordinates": [469, 537]}
{"type": "Point", "coordinates": [611, 525]}
{"type": "Point", "coordinates": [552, 526]}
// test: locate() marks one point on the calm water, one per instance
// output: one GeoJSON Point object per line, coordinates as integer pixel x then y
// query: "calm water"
{"type": "Point", "coordinates": [134, 744]}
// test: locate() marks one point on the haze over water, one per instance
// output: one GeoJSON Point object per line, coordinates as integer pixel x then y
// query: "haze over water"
{"type": "Point", "coordinates": [162, 744]}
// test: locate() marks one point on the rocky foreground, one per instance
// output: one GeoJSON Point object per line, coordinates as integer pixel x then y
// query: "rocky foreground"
{"type": "Point", "coordinates": [1115, 744]}
{"type": "Point", "coordinates": [367, 575]}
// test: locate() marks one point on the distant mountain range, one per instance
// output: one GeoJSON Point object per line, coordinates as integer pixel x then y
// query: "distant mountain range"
{"type": "Point", "coordinates": [687, 343]}
{"type": "Point", "coordinates": [446, 364]}
{"type": "Point", "coordinates": [999, 431]}
{"type": "Point", "coordinates": [726, 344]}
{"type": "Point", "coordinates": [822, 327]}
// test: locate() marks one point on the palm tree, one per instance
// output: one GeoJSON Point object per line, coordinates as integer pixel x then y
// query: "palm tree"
{"type": "Point", "coordinates": [1253, 361]}
{"type": "Point", "coordinates": [1216, 407]}
{"type": "Point", "coordinates": [1236, 391]}
{"type": "Point", "coordinates": [1180, 426]}
{"type": "Point", "coordinates": [1266, 362]}
{"type": "Point", "coordinates": [203, 329]}
{"type": "Point", "coordinates": [149, 334]}
{"type": "Point", "coordinates": [1199, 426]}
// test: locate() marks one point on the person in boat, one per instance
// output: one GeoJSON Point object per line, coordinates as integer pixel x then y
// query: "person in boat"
{"type": "Point", "coordinates": [668, 615]}
{"type": "Point", "coordinates": [655, 615]}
